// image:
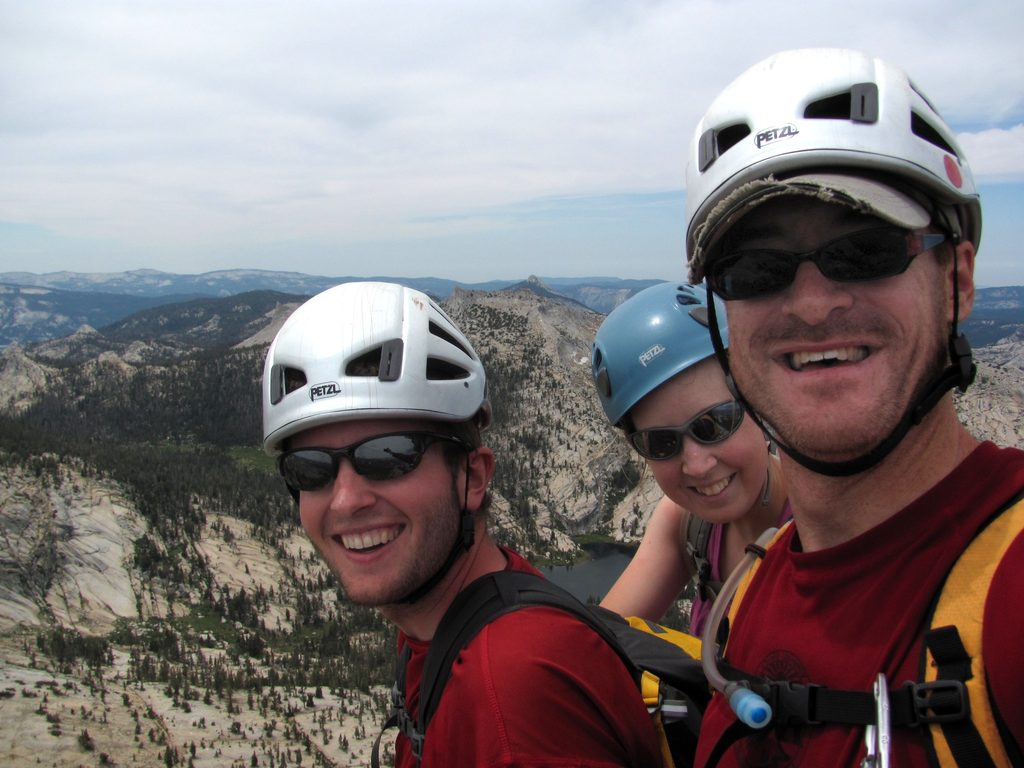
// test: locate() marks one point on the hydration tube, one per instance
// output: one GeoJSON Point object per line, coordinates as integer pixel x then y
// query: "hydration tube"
{"type": "Point", "coordinates": [748, 706]}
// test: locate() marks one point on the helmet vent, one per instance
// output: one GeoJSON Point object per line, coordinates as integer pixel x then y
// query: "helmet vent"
{"type": "Point", "coordinates": [859, 104]}
{"type": "Point", "coordinates": [441, 333]}
{"type": "Point", "coordinates": [442, 370]}
{"type": "Point", "coordinates": [367, 364]}
{"type": "Point", "coordinates": [924, 130]}
{"type": "Point", "coordinates": [293, 379]}
{"type": "Point", "coordinates": [715, 143]}
{"type": "Point", "coordinates": [383, 362]}
{"type": "Point", "coordinates": [685, 296]}
{"type": "Point", "coordinates": [700, 314]}
{"type": "Point", "coordinates": [283, 380]}
{"type": "Point", "coordinates": [728, 138]}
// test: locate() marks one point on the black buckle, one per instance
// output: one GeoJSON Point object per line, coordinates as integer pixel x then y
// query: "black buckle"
{"type": "Point", "coordinates": [405, 722]}
{"type": "Point", "coordinates": [793, 703]}
{"type": "Point", "coordinates": [407, 725]}
{"type": "Point", "coordinates": [942, 701]}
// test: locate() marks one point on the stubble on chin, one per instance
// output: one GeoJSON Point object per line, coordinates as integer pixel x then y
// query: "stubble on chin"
{"type": "Point", "coordinates": [828, 431]}
{"type": "Point", "coordinates": [439, 527]}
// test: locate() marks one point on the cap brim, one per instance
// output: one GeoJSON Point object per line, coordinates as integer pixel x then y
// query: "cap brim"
{"type": "Point", "coordinates": [880, 199]}
{"type": "Point", "coordinates": [868, 196]}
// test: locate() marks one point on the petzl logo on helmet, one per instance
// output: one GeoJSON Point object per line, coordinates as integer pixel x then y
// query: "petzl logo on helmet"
{"type": "Point", "coordinates": [327, 389]}
{"type": "Point", "coordinates": [650, 354]}
{"type": "Point", "coordinates": [787, 131]}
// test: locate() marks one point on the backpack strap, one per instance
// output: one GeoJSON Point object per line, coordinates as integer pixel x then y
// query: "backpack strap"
{"type": "Point", "coordinates": [953, 648]}
{"type": "Point", "coordinates": [741, 590]}
{"type": "Point", "coordinates": [476, 606]}
{"type": "Point", "coordinates": [483, 601]}
{"type": "Point", "coordinates": [399, 716]}
{"type": "Point", "coordinates": [698, 539]}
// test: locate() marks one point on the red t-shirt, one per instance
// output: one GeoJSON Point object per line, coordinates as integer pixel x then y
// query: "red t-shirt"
{"type": "Point", "coordinates": [536, 687]}
{"type": "Point", "coordinates": [839, 616]}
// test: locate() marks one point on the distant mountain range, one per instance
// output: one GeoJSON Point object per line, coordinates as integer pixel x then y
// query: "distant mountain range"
{"type": "Point", "coordinates": [37, 307]}
{"type": "Point", "coordinates": [151, 282]}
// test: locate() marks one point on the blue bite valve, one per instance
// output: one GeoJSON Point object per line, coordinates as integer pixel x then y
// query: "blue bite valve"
{"type": "Point", "coordinates": [750, 708]}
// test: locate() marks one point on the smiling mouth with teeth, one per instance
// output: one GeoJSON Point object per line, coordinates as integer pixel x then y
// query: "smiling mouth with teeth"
{"type": "Point", "coordinates": [715, 488]}
{"type": "Point", "coordinates": [826, 358]}
{"type": "Point", "coordinates": [367, 540]}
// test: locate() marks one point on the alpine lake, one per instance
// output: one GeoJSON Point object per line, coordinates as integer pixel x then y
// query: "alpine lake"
{"type": "Point", "coordinates": [590, 578]}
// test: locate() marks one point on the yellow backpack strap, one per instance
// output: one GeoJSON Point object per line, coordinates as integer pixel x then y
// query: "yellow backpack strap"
{"type": "Point", "coordinates": [953, 646]}
{"type": "Point", "coordinates": [688, 643]}
{"type": "Point", "coordinates": [741, 590]}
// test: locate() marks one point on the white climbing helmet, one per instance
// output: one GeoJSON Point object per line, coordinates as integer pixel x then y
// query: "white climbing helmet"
{"type": "Point", "coordinates": [825, 112]}
{"type": "Point", "coordinates": [369, 350]}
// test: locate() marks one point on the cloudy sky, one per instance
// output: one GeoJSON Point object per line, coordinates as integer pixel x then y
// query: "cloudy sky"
{"type": "Point", "coordinates": [470, 140]}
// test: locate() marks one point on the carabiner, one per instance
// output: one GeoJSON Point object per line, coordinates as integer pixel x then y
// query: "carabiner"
{"type": "Point", "coordinates": [878, 735]}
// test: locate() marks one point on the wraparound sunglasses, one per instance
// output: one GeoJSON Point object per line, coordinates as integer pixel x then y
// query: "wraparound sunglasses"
{"type": "Point", "coordinates": [870, 254]}
{"type": "Point", "coordinates": [708, 427]}
{"type": "Point", "coordinates": [381, 457]}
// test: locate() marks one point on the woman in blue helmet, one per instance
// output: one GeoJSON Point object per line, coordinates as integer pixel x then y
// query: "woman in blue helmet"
{"type": "Point", "coordinates": [658, 380]}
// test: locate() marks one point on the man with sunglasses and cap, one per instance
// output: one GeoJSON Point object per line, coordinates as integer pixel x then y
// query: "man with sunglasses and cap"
{"type": "Point", "coordinates": [373, 403]}
{"type": "Point", "coordinates": [831, 208]}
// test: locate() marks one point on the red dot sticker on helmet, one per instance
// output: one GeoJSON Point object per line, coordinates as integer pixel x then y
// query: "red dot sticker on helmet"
{"type": "Point", "coordinates": [953, 172]}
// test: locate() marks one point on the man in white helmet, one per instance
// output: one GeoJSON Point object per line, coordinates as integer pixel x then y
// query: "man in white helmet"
{"type": "Point", "coordinates": [373, 402]}
{"type": "Point", "coordinates": [830, 206]}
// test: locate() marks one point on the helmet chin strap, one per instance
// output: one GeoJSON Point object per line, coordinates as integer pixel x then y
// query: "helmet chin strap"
{"type": "Point", "coordinates": [462, 544]}
{"type": "Point", "coordinates": [959, 373]}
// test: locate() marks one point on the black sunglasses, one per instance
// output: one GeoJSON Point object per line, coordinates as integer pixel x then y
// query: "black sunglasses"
{"type": "Point", "coordinates": [870, 254]}
{"type": "Point", "coordinates": [381, 457]}
{"type": "Point", "coordinates": [708, 427]}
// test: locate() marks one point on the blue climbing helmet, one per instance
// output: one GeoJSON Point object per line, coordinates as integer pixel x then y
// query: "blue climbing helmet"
{"type": "Point", "coordinates": [647, 340]}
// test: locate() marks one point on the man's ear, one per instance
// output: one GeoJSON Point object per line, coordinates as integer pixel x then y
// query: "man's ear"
{"type": "Point", "coordinates": [963, 256]}
{"type": "Point", "coordinates": [481, 470]}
